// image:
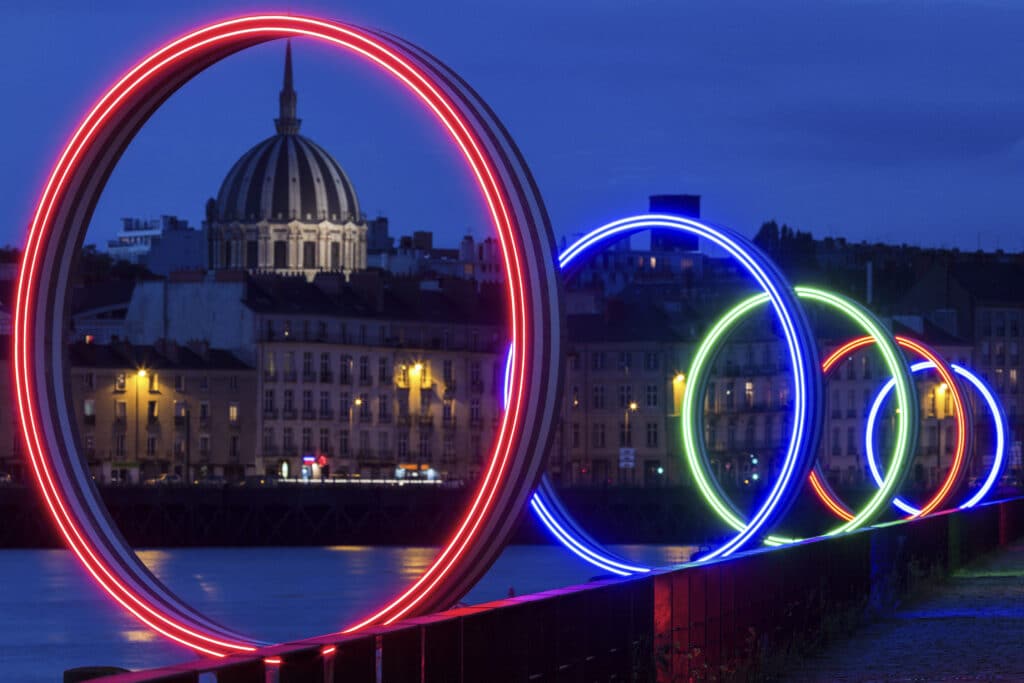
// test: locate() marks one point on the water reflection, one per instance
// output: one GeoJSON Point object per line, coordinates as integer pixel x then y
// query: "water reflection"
{"type": "Point", "coordinates": [273, 594]}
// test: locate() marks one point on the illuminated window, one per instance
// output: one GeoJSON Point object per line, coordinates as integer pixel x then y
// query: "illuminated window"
{"type": "Point", "coordinates": [233, 413]}
{"type": "Point", "coordinates": [154, 382]}
{"type": "Point", "coordinates": [119, 382]}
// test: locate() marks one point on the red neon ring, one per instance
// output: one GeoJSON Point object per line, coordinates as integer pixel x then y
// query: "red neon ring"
{"type": "Point", "coordinates": [56, 232]}
{"type": "Point", "coordinates": [817, 481]}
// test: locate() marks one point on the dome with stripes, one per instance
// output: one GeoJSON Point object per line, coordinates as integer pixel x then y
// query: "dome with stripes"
{"type": "Point", "coordinates": [286, 177]}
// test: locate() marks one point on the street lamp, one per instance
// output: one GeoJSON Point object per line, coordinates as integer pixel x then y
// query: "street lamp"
{"type": "Point", "coordinates": [139, 376]}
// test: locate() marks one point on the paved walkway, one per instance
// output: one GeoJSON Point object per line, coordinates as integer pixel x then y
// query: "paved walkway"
{"type": "Point", "coordinates": [970, 628]}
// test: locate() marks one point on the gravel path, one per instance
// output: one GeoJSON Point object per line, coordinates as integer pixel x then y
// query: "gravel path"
{"type": "Point", "coordinates": [969, 629]}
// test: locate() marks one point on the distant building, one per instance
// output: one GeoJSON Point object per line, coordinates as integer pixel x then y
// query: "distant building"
{"type": "Point", "coordinates": [286, 206]}
{"type": "Point", "coordinates": [160, 245]}
{"type": "Point", "coordinates": [143, 411]}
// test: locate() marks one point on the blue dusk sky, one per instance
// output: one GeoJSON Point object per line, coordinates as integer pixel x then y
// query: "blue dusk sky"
{"type": "Point", "coordinates": [869, 119]}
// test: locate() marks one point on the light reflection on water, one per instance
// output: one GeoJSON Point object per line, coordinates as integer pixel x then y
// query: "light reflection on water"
{"type": "Point", "coordinates": [52, 617]}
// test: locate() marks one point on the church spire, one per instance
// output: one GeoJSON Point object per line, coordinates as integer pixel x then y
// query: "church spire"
{"type": "Point", "coordinates": [287, 123]}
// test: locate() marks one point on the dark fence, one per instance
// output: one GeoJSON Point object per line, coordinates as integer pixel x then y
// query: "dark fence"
{"type": "Point", "coordinates": [736, 616]}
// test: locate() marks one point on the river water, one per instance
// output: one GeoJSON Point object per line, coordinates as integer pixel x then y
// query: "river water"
{"type": "Point", "coordinates": [52, 617]}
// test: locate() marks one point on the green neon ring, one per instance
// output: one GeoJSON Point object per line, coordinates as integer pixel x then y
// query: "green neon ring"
{"type": "Point", "coordinates": [692, 418]}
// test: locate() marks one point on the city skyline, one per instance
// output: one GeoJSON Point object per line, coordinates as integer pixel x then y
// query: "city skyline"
{"type": "Point", "coordinates": [920, 138]}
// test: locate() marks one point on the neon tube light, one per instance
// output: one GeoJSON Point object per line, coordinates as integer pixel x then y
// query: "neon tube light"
{"type": "Point", "coordinates": [998, 419]}
{"type": "Point", "coordinates": [807, 388]}
{"type": "Point", "coordinates": [527, 245]}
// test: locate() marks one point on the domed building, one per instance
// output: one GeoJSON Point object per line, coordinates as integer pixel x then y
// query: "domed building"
{"type": "Point", "coordinates": [286, 206]}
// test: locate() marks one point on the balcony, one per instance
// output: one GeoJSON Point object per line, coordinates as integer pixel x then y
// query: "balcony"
{"type": "Point", "coordinates": [309, 377]}
{"type": "Point", "coordinates": [365, 381]}
{"type": "Point", "coordinates": [404, 421]}
{"type": "Point", "coordinates": [308, 414]}
{"type": "Point", "coordinates": [326, 414]}
{"type": "Point", "coordinates": [365, 418]}
{"type": "Point", "coordinates": [270, 376]}
{"type": "Point", "coordinates": [270, 414]}
{"type": "Point", "coordinates": [179, 420]}
{"type": "Point", "coordinates": [204, 421]}
{"type": "Point", "coordinates": [234, 425]}
{"type": "Point", "coordinates": [152, 420]}
{"type": "Point", "coordinates": [345, 378]}
{"type": "Point", "coordinates": [290, 376]}
{"type": "Point", "coordinates": [289, 414]}
{"type": "Point", "coordinates": [384, 419]}
{"type": "Point", "coordinates": [326, 377]}
{"type": "Point", "coordinates": [89, 419]}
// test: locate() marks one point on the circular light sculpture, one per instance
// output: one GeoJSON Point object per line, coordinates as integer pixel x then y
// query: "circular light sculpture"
{"type": "Point", "coordinates": [802, 351]}
{"type": "Point", "coordinates": [692, 416]}
{"type": "Point", "coordinates": [820, 484]}
{"type": "Point", "coordinates": [998, 420]}
{"type": "Point", "coordinates": [40, 365]}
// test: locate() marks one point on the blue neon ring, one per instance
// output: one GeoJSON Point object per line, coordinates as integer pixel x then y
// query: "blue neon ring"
{"type": "Point", "coordinates": [807, 391]}
{"type": "Point", "coordinates": [998, 418]}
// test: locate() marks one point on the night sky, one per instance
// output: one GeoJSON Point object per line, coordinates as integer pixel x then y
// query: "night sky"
{"type": "Point", "coordinates": [891, 121]}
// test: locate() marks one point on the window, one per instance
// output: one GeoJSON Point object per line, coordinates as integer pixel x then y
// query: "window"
{"type": "Point", "coordinates": [151, 411]}
{"type": "Point", "coordinates": [597, 397]}
{"type": "Point", "coordinates": [403, 446]}
{"type": "Point", "coordinates": [364, 408]}
{"type": "Point", "coordinates": [120, 410]}
{"type": "Point", "coordinates": [179, 382]}
{"type": "Point", "coordinates": [382, 445]}
{"type": "Point", "coordinates": [345, 370]}
{"type": "Point", "coordinates": [343, 442]}
{"type": "Point", "coordinates": [325, 366]}
{"type": "Point", "coordinates": [307, 401]}
{"type": "Point", "coordinates": [280, 254]}
{"type": "Point", "coordinates": [424, 452]}
{"type": "Point", "coordinates": [475, 452]}
{"type": "Point", "coordinates": [307, 365]}
{"type": "Point", "coordinates": [474, 410]}
{"type": "Point", "coordinates": [204, 383]}
{"type": "Point", "coordinates": [89, 381]}
{"type": "Point", "coordinates": [448, 372]}
{"type": "Point", "coordinates": [625, 434]}
{"type": "Point", "coordinates": [575, 435]}
{"type": "Point", "coordinates": [597, 360]}
{"type": "Point", "coordinates": [204, 410]}
{"type": "Point", "coordinates": [597, 436]}
{"type": "Point", "coordinates": [307, 439]}
{"type": "Point", "coordinates": [625, 359]}
{"type": "Point", "coordinates": [151, 445]}
{"type": "Point", "coordinates": [364, 370]}
{"type": "Point", "coordinates": [325, 441]}
{"type": "Point", "coordinates": [325, 403]}
{"type": "Point", "coordinates": [651, 361]}
{"type": "Point", "coordinates": [119, 449]}
{"type": "Point", "coordinates": [268, 400]}
{"type": "Point", "coordinates": [268, 439]}
{"type": "Point", "coordinates": [343, 406]}
{"type": "Point", "coordinates": [748, 394]}
{"type": "Point", "coordinates": [335, 256]}
{"type": "Point", "coordinates": [384, 408]}
{"type": "Point", "coordinates": [625, 395]}
{"type": "Point", "coordinates": [233, 413]}
{"type": "Point", "coordinates": [851, 441]}
{"type": "Point", "coordinates": [651, 396]}
{"type": "Point", "coordinates": [383, 371]}
{"type": "Point", "coordinates": [448, 449]}
{"type": "Point", "coordinates": [474, 372]}
{"type": "Point", "coordinates": [89, 408]}
{"type": "Point", "coordinates": [652, 434]}
{"type": "Point", "coordinates": [154, 382]}
{"type": "Point", "coordinates": [289, 439]}
{"type": "Point", "coordinates": [309, 254]}
{"type": "Point", "coordinates": [233, 383]}
{"type": "Point", "coordinates": [119, 382]}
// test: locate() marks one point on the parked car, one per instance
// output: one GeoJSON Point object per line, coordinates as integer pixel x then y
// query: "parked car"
{"type": "Point", "coordinates": [215, 481]}
{"type": "Point", "coordinates": [164, 480]}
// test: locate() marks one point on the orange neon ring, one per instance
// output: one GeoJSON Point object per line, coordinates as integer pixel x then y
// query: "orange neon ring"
{"type": "Point", "coordinates": [817, 480]}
